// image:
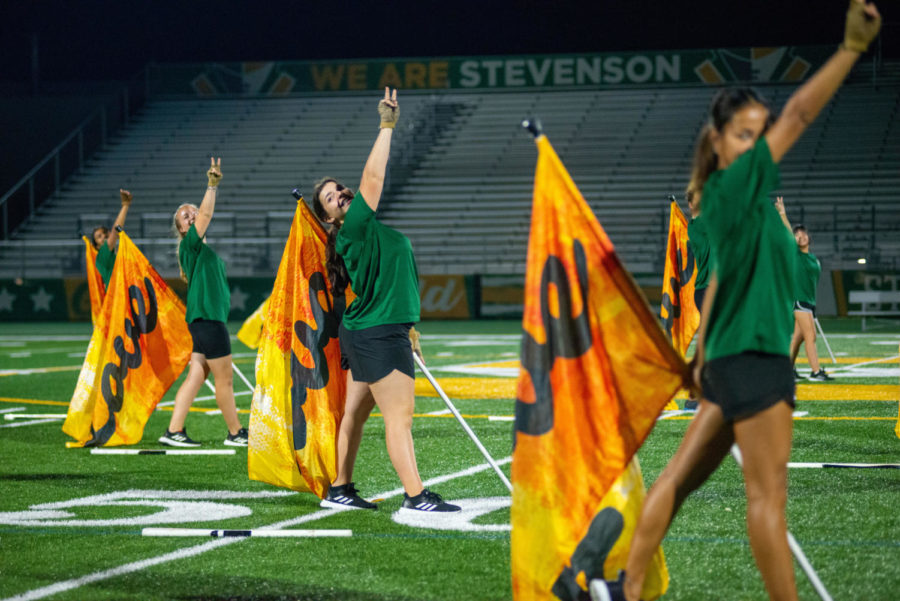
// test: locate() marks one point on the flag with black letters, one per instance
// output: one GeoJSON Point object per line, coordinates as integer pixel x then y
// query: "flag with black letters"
{"type": "Point", "coordinates": [596, 371]}
{"type": "Point", "coordinates": [139, 347]}
{"type": "Point", "coordinates": [298, 402]}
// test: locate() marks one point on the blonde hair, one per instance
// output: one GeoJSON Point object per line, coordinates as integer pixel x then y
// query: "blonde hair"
{"type": "Point", "coordinates": [180, 235]}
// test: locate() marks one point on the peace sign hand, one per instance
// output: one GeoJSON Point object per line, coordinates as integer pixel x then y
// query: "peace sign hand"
{"type": "Point", "coordinates": [388, 109]}
{"type": "Point", "coordinates": [215, 172]}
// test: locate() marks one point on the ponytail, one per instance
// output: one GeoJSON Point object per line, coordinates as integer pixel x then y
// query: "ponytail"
{"type": "Point", "coordinates": [705, 162]}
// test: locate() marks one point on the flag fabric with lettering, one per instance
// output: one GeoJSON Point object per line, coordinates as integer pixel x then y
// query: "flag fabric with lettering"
{"type": "Point", "coordinates": [139, 347]}
{"type": "Point", "coordinates": [298, 402]}
{"type": "Point", "coordinates": [251, 330]}
{"type": "Point", "coordinates": [596, 372]}
{"type": "Point", "coordinates": [679, 314]}
{"type": "Point", "coordinates": [96, 289]}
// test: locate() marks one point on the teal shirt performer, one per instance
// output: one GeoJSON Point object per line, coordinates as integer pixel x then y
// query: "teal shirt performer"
{"type": "Point", "coordinates": [208, 296]}
{"type": "Point", "coordinates": [754, 253]}
{"type": "Point", "coordinates": [698, 240]}
{"type": "Point", "coordinates": [808, 270]}
{"type": "Point", "coordinates": [382, 270]}
{"type": "Point", "coordinates": [106, 260]}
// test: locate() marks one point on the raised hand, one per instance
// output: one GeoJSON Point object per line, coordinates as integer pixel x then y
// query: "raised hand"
{"type": "Point", "coordinates": [388, 109]}
{"type": "Point", "coordinates": [126, 197]}
{"type": "Point", "coordinates": [779, 204]}
{"type": "Point", "coordinates": [862, 25]}
{"type": "Point", "coordinates": [215, 172]}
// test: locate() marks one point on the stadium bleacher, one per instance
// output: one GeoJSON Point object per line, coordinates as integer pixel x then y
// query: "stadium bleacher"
{"type": "Point", "coordinates": [461, 173]}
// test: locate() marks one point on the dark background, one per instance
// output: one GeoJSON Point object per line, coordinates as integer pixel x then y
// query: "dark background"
{"type": "Point", "coordinates": [89, 40]}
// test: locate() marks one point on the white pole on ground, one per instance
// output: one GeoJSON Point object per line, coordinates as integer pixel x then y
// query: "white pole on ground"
{"type": "Point", "coordinates": [462, 422]}
{"type": "Point", "coordinates": [255, 533]}
{"type": "Point", "coordinates": [825, 340]}
{"type": "Point", "coordinates": [242, 376]}
{"type": "Point", "coordinates": [798, 553]}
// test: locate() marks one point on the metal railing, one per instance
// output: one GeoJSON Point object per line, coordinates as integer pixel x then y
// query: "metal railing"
{"type": "Point", "coordinates": [19, 203]}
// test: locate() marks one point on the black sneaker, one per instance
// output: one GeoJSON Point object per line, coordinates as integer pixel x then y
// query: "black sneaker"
{"type": "Point", "coordinates": [178, 439]}
{"type": "Point", "coordinates": [427, 501]}
{"type": "Point", "coordinates": [820, 376]}
{"type": "Point", "coordinates": [238, 439]}
{"type": "Point", "coordinates": [345, 496]}
{"type": "Point", "coordinates": [691, 405]}
{"type": "Point", "coordinates": [797, 376]}
{"type": "Point", "coordinates": [603, 590]}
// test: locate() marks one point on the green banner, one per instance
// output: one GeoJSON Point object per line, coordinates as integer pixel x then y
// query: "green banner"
{"type": "Point", "coordinates": [563, 71]}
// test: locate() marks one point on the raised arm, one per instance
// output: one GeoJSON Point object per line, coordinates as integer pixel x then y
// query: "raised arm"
{"type": "Point", "coordinates": [779, 204]}
{"type": "Point", "coordinates": [204, 215]}
{"type": "Point", "coordinates": [802, 108]}
{"type": "Point", "coordinates": [113, 237]}
{"type": "Point", "coordinates": [372, 182]}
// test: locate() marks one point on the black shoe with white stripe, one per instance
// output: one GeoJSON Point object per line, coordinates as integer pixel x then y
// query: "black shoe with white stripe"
{"type": "Point", "coordinates": [605, 590]}
{"type": "Point", "coordinates": [345, 496]}
{"type": "Point", "coordinates": [238, 439]}
{"type": "Point", "coordinates": [427, 501]}
{"type": "Point", "coordinates": [178, 439]}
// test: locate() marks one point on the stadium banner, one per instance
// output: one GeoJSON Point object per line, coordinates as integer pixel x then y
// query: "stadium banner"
{"type": "Point", "coordinates": [596, 372]}
{"type": "Point", "coordinates": [139, 347]}
{"type": "Point", "coordinates": [298, 401]}
{"type": "Point", "coordinates": [719, 66]}
{"type": "Point", "coordinates": [445, 296]}
{"type": "Point", "coordinates": [847, 281]}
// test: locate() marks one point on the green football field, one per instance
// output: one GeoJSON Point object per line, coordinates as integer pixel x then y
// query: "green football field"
{"type": "Point", "coordinates": [71, 522]}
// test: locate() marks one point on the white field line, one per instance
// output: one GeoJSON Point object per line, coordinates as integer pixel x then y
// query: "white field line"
{"type": "Point", "coordinates": [849, 367]}
{"type": "Point", "coordinates": [37, 370]}
{"type": "Point", "coordinates": [136, 566]}
{"type": "Point", "coordinates": [13, 410]}
{"type": "Point", "coordinates": [30, 423]}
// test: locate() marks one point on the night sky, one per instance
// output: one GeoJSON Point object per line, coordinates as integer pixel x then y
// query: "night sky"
{"type": "Point", "coordinates": [106, 39]}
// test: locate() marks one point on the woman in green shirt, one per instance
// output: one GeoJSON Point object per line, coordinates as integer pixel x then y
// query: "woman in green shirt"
{"type": "Point", "coordinates": [208, 304]}
{"type": "Point", "coordinates": [746, 323]}
{"type": "Point", "coordinates": [375, 331]}
{"type": "Point", "coordinates": [105, 240]}
{"type": "Point", "coordinates": [807, 280]}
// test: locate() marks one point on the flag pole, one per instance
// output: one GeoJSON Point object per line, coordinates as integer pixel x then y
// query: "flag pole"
{"type": "Point", "coordinates": [825, 340]}
{"type": "Point", "coordinates": [462, 421]}
{"type": "Point", "coordinates": [242, 376]}
{"type": "Point", "coordinates": [798, 553]}
{"type": "Point", "coordinates": [210, 385]}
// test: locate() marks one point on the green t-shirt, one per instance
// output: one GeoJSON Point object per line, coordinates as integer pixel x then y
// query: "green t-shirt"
{"type": "Point", "coordinates": [807, 278]}
{"type": "Point", "coordinates": [208, 296]}
{"type": "Point", "coordinates": [105, 261]}
{"type": "Point", "coordinates": [753, 256]}
{"type": "Point", "coordinates": [382, 270]}
{"type": "Point", "coordinates": [699, 242]}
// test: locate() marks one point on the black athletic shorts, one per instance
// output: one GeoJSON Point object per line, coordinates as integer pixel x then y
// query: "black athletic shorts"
{"type": "Point", "coordinates": [372, 353]}
{"type": "Point", "coordinates": [805, 307]}
{"type": "Point", "coordinates": [699, 293]}
{"type": "Point", "coordinates": [743, 385]}
{"type": "Point", "coordinates": [211, 338]}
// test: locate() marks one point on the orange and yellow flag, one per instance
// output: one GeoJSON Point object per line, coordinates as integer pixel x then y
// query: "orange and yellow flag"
{"type": "Point", "coordinates": [679, 314]}
{"type": "Point", "coordinates": [96, 289]}
{"type": "Point", "coordinates": [251, 329]}
{"type": "Point", "coordinates": [300, 387]}
{"type": "Point", "coordinates": [140, 346]}
{"type": "Point", "coordinates": [596, 372]}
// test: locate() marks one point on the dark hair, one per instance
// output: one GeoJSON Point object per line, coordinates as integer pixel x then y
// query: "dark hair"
{"type": "Point", "coordinates": [724, 105]}
{"type": "Point", "coordinates": [334, 263]}
{"type": "Point", "coordinates": [100, 228]}
{"type": "Point", "coordinates": [799, 227]}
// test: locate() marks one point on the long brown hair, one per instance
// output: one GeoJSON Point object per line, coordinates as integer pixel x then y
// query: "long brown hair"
{"type": "Point", "coordinates": [334, 263]}
{"type": "Point", "coordinates": [724, 105]}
